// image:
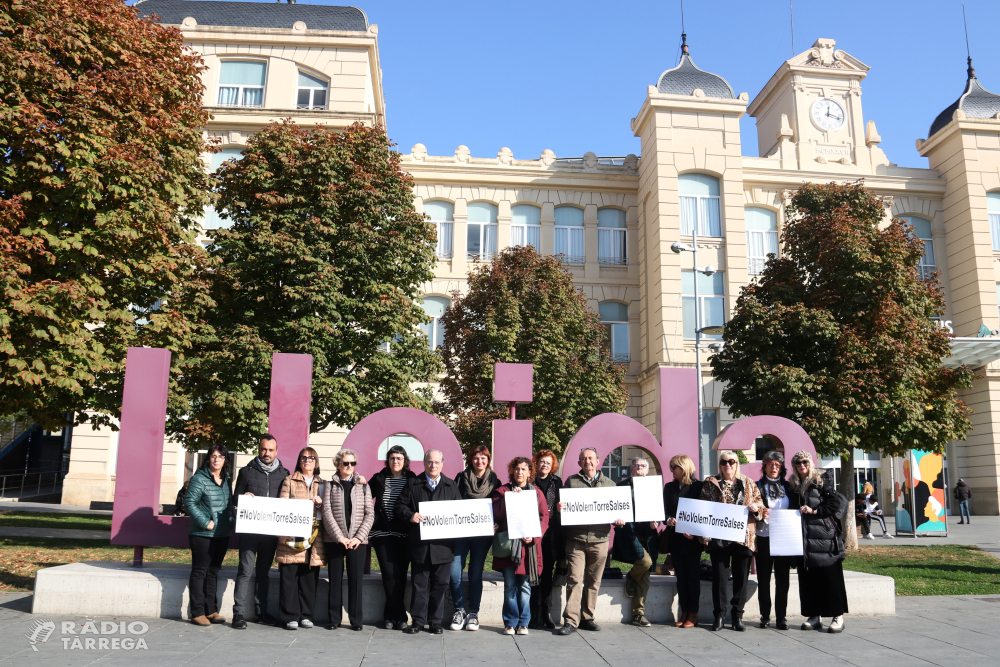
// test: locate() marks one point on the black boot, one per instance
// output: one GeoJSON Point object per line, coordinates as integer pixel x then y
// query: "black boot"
{"type": "Point", "coordinates": [738, 621]}
{"type": "Point", "coordinates": [719, 622]}
{"type": "Point", "coordinates": [547, 621]}
{"type": "Point", "coordinates": [765, 622]}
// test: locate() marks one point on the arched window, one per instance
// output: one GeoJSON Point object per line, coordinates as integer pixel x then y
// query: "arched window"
{"type": "Point", "coordinates": [614, 317]}
{"type": "Point", "coordinates": [434, 306]}
{"type": "Point", "coordinates": [212, 218]}
{"type": "Point", "coordinates": [762, 238]}
{"type": "Point", "coordinates": [569, 234]}
{"type": "Point", "coordinates": [699, 200]}
{"type": "Point", "coordinates": [526, 226]}
{"type": "Point", "coordinates": [241, 83]}
{"type": "Point", "coordinates": [442, 215]}
{"type": "Point", "coordinates": [922, 231]}
{"type": "Point", "coordinates": [612, 237]}
{"type": "Point", "coordinates": [482, 235]}
{"type": "Point", "coordinates": [993, 207]}
{"type": "Point", "coordinates": [311, 92]}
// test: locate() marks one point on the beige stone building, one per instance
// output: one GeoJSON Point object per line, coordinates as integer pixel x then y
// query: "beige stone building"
{"type": "Point", "coordinates": [614, 219]}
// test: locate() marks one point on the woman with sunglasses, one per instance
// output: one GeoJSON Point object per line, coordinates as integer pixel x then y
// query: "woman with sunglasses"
{"type": "Point", "coordinates": [730, 487]}
{"type": "Point", "coordinates": [389, 534]}
{"type": "Point", "coordinates": [822, 591]}
{"type": "Point", "coordinates": [207, 503]}
{"type": "Point", "coordinates": [299, 560]}
{"type": "Point", "coordinates": [776, 494]}
{"type": "Point", "coordinates": [684, 549]}
{"type": "Point", "coordinates": [348, 515]}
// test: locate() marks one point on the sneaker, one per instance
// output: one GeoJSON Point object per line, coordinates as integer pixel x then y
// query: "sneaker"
{"type": "Point", "coordinates": [640, 621]}
{"type": "Point", "coordinates": [521, 630]}
{"type": "Point", "coordinates": [630, 587]}
{"type": "Point", "coordinates": [870, 536]}
{"type": "Point", "coordinates": [292, 625]}
{"type": "Point", "coordinates": [888, 536]}
{"type": "Point", "coordinates": [305, 623]}
{"type": "Point", "coordinates": [836, 625]}
{"type": "Point", "coordinates": [472, 621]}
{"type": "Point", "coordinates": [813, 623]}
{"type": "Point", "coordinates": [457, 620]}
{"type": "Point", "coordinates": [508, 631]}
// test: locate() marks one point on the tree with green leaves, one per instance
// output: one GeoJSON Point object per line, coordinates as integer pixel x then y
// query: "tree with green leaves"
{"type": "Point", "coordinates": [838, 335]}
{"type": "Point", "coordinates": [101, 186]}
{"type": "Point", "coordinates": [325, 255]}
{"type": "Point", "coordinates": [524, 308]}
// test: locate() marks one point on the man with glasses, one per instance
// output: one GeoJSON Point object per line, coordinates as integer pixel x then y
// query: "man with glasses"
{"type": "Point", "coordinates": [431, 559]}
{"type": "Point", "coordinates": [631, 542]}
{"type": "Point", "coordinates": [261, 477]}
{"type": "Point", "coordinates": [586, 552]}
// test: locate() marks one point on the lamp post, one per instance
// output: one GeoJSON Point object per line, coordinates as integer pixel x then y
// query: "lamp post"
{"type": "Point", "coordinates": [678, 248]}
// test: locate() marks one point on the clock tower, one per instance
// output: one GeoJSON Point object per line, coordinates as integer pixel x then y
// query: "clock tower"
{"type": "Point", "coordinates": [809, 114]}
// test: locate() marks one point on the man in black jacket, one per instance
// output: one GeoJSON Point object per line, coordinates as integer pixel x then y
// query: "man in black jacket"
{"type": "Point", "coordinates": [430, 569]}
{"type": "Point", "coordinates": [261, 477]}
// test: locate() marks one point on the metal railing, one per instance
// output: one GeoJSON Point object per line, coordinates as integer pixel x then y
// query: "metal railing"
{"type": "Point", "coordinates": [30, 482]}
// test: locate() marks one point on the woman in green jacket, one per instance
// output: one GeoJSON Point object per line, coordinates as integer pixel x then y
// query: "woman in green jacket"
{"type": "Point", "coordinates": [207, 503]}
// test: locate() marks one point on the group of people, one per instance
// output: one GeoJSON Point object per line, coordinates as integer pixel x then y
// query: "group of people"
{"type": "Point", "coordinates": [353, 513]}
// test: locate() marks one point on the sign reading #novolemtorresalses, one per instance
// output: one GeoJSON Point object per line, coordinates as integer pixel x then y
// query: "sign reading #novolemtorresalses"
{"type": "Point", "coordinates": [445, 519]}
{"type": "Point", "coordinates": [713, 520]}
{"type": "Point", "coordinates": [286, 517]}
{"type": "Point", "coordinates": [601, 505]}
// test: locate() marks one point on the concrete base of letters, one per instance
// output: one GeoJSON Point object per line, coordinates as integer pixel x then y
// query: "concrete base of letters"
{"type": "Point", "coordinates": [160, 590]}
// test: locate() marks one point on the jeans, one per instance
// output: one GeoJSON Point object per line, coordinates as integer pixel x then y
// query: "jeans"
{"type": "Point", "coordinates": [516, 599]}
{"type": "Point", "coordinates": [963, 508]}
{"type": "Point", "coordinates": [476, 549]}
{"type": "Point", "coordinates": [256, 556]}
{"type": "Point", "coordinates": [207, 554]}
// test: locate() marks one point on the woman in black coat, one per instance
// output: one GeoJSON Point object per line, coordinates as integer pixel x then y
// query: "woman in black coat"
{"type": "Point", "coordinates": [822, 591]}
{"type": "Point", "coordinates": [389, 534]}
{"type": "Point", "coordinates": [685, 550]}
{"type": "Point", "coordinates": [553, 546]}
{"type": "Point", "coordinates": [776, 493]}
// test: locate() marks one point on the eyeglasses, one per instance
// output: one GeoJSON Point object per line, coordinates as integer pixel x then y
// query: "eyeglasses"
{"type": "Point", "coordinates": [730, 462]}
{"type": "Point", "coordinates": [397, 457]}
{"type": "Point", "coordinates": [349, 463]}
{"type": "Point", "coordinates": [307, 458]}
{"type": "Point", "coordinates": [218, 457]}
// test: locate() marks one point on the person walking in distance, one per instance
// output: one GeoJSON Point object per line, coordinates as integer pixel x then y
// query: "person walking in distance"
{"type": "Point", "coordinates": [389, 535]}
{"type": "Point", "coordinates": [430, 559]}
{"type": "Point", "coordinates": [261, 477]}
{"type": "Point", "coordinates": [586, 551]}
{"type": "Point", "coordinates": [962, 494]}
{"type": "Point", "coordinates": [208, 504]}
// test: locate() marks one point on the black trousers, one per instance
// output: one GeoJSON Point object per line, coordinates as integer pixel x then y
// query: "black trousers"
{"type": "Point", "coordinates": [207, 554]}
{"type": "Point", "coordinates": [430, 582]}
{"type": "Point", "coordinates": [297, 590]}
{"type": "Point", "coordinates": [731, 559]}
{"type": "Point", "coordinates": [393, 561]}
{"type": "Point", "coordinates": [686, 568]}
{"type": "Point", "coordinates": [553, 550]}
{"type": "Point", "coordinates": [781, 565]}
{"type": "Point", "coordinates": [336, 555]}
{"type": "Point", "coordinates": [866, 524]}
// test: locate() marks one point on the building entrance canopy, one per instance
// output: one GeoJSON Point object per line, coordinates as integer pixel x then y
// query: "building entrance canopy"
{"type": "Point", "coordinates": [972, 352]}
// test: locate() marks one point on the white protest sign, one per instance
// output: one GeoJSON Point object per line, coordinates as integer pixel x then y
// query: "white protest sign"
{"type": "Point", "coordinates": [785, 531]}
{"type": "Point", "coordinates": [648, 494]}
{"type": "Point", "coordinates": [713, 520]}
{"type": "Point", "coordinates": [446, 519]}
{"type": "Point", "coordinates": [522, 514]}
{"type": "Point", "coordinates": [286, 517]}
{"type": "Point", "coordinates": [601, 505]}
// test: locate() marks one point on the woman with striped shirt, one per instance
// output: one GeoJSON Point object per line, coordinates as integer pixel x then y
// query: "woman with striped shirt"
{"type": "Point", "coordinates": [389, 535]}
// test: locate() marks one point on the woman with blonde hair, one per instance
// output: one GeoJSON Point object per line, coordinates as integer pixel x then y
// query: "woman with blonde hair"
{"type": "Point", "coordinates": [684, 549]}
{"type": "Point", "coordinates": [732, 488]}
{"type": "Point", "coordinates": [822, 591]}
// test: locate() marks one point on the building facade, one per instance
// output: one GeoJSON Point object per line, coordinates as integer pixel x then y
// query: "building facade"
{"type": "Point", "coordinates": [613, 219]}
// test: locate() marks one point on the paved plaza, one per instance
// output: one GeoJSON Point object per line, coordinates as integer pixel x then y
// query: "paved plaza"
{"type": "Point", "coordinates": [945, 631]}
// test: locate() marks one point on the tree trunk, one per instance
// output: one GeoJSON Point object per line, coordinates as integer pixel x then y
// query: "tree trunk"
{"type": "Point", "coordinates": [849, 489]}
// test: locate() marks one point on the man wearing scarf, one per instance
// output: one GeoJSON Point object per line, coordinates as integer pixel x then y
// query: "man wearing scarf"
{"type": "Point", "coordinates": [261, 477]}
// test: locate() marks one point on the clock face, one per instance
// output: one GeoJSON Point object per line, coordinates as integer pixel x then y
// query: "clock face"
{"type": "Point", "coordinates": [827, 114]}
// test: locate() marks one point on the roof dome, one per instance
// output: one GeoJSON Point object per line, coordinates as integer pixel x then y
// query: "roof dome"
{"type": "Point", "coordinates": [975, 101]}
{"type": "Point", "coordinates": [686, 77]}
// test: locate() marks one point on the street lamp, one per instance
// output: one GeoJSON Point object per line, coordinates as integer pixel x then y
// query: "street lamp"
{"type": "Point", "coordinates": [716, 330]}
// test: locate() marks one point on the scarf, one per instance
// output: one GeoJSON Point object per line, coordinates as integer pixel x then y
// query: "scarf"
{"type": "Point", "coordinates": [775, 489]}
{"type": "Point", "coordinates": [268, 468]}
{"type": "Point", "coordinates": [471, 486]}
{"type": "Point", "coordinates": [529, 555]}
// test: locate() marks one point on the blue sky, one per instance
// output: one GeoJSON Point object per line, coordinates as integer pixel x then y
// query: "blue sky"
{"type": "Point", "coordinates": [569, 76]}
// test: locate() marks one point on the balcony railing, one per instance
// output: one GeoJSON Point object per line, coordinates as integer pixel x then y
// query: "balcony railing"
{"type": "Point", "coordinates": [755, 265]}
